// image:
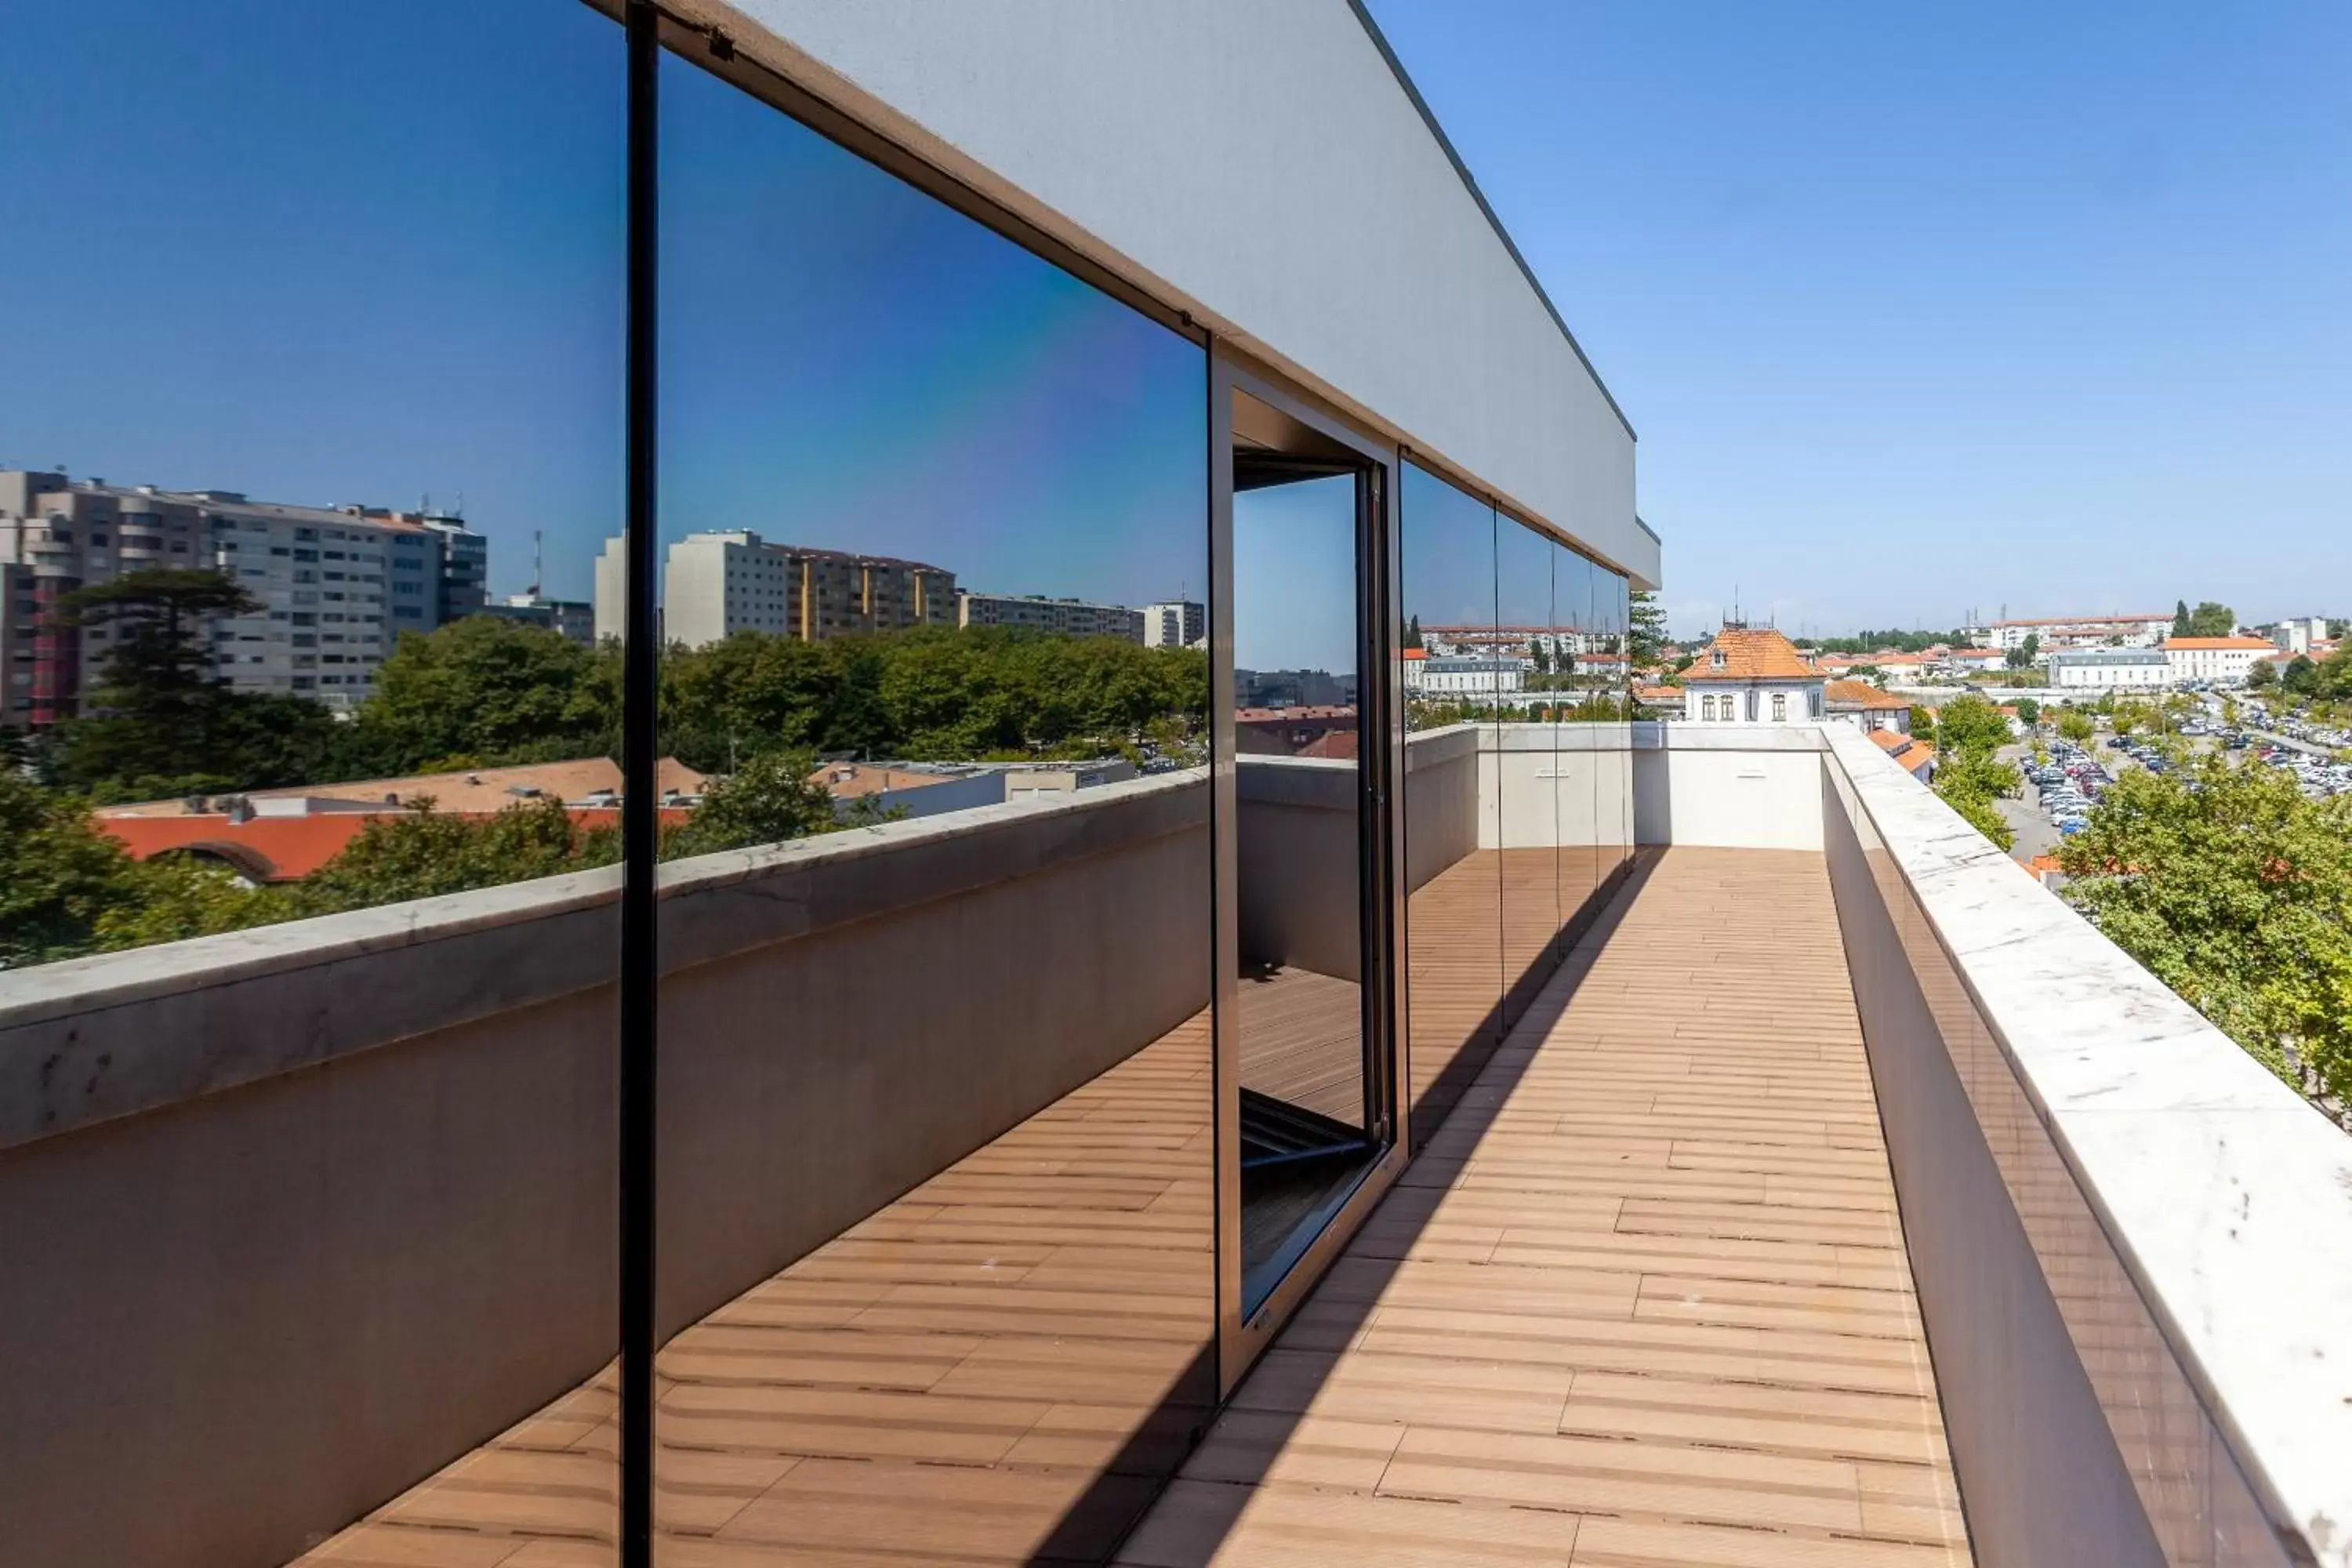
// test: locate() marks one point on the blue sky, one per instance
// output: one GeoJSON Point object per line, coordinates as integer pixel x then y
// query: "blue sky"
{"type": "Point", "coordinates": [1917, 308]}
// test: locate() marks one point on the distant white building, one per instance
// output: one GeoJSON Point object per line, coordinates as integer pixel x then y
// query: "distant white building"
{"type": "Point", "coordinates": [2223, 661]}
{"type": "Point", "coordinates": [2075, 631]}
{"type": "Point", "coordinates": [2299, 633]}
{"type": "Point", "coordinates": [1071, 617]}
{"type": "Point", "coordinates": [719, 582]}
{"type": "Point", "coordinates": [2095, 669]}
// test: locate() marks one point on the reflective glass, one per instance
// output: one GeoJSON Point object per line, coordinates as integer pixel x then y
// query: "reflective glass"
{"type": "Point", "coordinates": [1296, 636]}
{"type": "Point", "coordinates": [1562, 682]}
{"type": "Point", "coordinates": [1526, 762]}
{"type": "Point", "coordinates": [1453, 863]}
{"type": "Point", "coordinates": [936, 1243]}
{"type": "Point", "coordinates": [312, 422]}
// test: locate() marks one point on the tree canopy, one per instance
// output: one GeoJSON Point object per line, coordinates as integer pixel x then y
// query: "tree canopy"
{"type": "Point", "coordinates": [1967, 774]}
{"type": "Point", "coordinates": [2235, 890]}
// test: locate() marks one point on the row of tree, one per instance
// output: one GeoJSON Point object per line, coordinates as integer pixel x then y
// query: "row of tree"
{"type": "Point", "coordinates": [483, 691]}
{"type": "Point", "coordinates": [2208, 619]}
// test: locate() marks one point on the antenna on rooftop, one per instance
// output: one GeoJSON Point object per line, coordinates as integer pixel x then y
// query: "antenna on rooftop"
{"type": "Point", "coordinates": [537, 560]}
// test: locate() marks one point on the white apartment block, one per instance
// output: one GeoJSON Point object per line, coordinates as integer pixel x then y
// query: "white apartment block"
{"type": "Point", "coordinates": [1175, 622]}
{"type": "Point", "coordinates": [2299, 633]}
{"type": "Point", "coordinates": [336, 585]}
{"type": "Point", "coordinates": [2075, 631]}
{"type": "Point", "coordinates": [1464, 675]}
{"type": "Point", "coordinates": [717, 583]}
{"type": "Point", "coordinates": [1070, 617]}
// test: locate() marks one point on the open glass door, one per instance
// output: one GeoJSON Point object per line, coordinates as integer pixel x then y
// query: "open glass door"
{"type": "Point", "coordinates": [1312, 719]}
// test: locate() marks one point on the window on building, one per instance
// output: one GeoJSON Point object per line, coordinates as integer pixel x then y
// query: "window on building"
{"type": "Point", "coordinates": [1779, 707]}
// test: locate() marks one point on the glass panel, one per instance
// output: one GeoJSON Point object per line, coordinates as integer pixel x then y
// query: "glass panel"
{"type": "Point", "coordinates": [283, 268]}
{"type": "Point", "coordinates": [1296, 635]}
{"type": "Point", "coordinates": [1616, 776]}
{"type": "Point", "coordinates": [1527, 763]}
{"type": "Point", "coordinates": [1579, 641]}
{"type": "Point", "coordinates": [1453, 870]}
{"type": "Point", "coordinates": [937, 1237]}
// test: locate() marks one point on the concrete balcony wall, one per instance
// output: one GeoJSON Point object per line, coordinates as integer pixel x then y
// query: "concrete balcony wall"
{"type": "Point", "coordinates": [2133, 1246]}
{"type": "Point", "coordinates": [1732, 787]}
{"type": "Point", "coordinates": [344, 1189]}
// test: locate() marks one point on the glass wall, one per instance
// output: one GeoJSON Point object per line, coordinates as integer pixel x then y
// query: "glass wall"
{"type": "Point", "coordinates": [313, 359]}
{"type": "Point", "coordinates": [311, 588]}
{"type": "Point", "coordinates": [1526, 763]}
{"type": "Point", "coordinates": [936, 1235]}
{"type": "Point", "coordinates": [1453, 860]}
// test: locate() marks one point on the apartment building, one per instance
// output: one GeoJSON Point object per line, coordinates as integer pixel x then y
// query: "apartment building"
{"type": "Point", "coordinates": [721, 582]}
{"type": "Point", "coordinates": [1071, 617]}
{"type": "Point", "coordinates": [2296, 633]}
{"type": "Point", "coordinates": [336, 584]}
{"type": "Point", "coordinates": [2075, 631]}
{"type": "Point", "coordinates": [571, 617]}
{"type": "Point", "coordinates": [1175, 622]}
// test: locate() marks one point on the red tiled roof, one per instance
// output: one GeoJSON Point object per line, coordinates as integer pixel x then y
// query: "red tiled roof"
{"type": "Point", "coordinates": [285, 848]}
{"type": "Point", "coordinates": [1761, 654]}
{"type": "Point", "coordinates": [1862, 693]}
{"type": "Point", "coordinates": [2192, 644]}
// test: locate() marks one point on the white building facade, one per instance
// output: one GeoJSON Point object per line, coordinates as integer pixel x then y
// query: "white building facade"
{"type": "Point", "coordinates": [2219, 661]}
{"type": "Point", "coordinates": [2097, 669]}
{"type": "Point", "coordinates": [2075, 631]}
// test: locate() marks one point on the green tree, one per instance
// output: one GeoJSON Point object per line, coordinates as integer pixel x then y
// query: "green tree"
{"type": "Point", "coordinates": [490, 689]}
{"type": "Point", "coordinates": [769, 800]}
{"type": "Point", "coordinates": [2210, 619]}
{"type": "Point", "coordinates": [163, 724]}
{"type": "Point", "coordinates": [1967, 774]}
{"type": "Point", "coordinates": [1923, 722]}
{"type": "Point", "coordinates": [2181, 621]}
{"type": "Point", "coordinates": [1646, 643]}
{"type": "Point", "coordinates": [2075, 726]}
{"type": "Point", "coordinates": [2029, 710]}
{"type": "Point", "coordinates": [2263, 675]}
{"type": "Point", "coordinates": [1412, 632]}
{"type": "Point", "coordinates": [2301, 676]}
{"type": "Point", "coordinates": [2025, 653]}
{"type": "Point", "coordinates": [2236, 891]}
{"type": "Point", "coordinates": [59, 874]}
{"type": "Point", "coordinates": [421, 853]}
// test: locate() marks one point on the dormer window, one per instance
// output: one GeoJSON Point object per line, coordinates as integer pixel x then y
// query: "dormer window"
{"type": "Point", "coordinates": [1719, 660]}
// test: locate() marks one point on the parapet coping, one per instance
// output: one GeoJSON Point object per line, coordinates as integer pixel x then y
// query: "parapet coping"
{"type": "Point", "coordinates": [2227, 1198]}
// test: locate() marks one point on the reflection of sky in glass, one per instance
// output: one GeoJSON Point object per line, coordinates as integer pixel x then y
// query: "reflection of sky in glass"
{"type": "Point", "coordinates": [323, 254]}
{"type": "Point", "coordinates": [1294, 576]}
{"type": "Point", "coordinates": [846, 362]}
{"type": "Point", "coordinates": [1523, 563]}
{"type": "Point", "coordinates": [1449, 553]}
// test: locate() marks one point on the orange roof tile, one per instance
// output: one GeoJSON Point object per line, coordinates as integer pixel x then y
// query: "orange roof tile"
{"type": "Point", "coordinates": [1760, 654]}
{"type": "Point", "coordinates": [1864, 693]}
{"type": "Point", "coordinates": [1890, 740]}
{"type": "Point", "coordinates": [2196, 642]}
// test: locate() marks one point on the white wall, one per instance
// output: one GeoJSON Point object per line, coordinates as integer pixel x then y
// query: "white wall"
{"type": "Point", "coordinates": [1734, 787]}
{"type": "Point", "coordinates": [1260, 165]}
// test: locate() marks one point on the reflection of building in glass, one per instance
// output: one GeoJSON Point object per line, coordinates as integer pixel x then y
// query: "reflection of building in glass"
{"type": "Point", "coordinates": [1073, 617]}
{"type": "Point", "coordinates": [570, 616]}
{"type": "Point", "coordinates": [721, 582]}
{"type": "Point", "coordinates": [1464, 676]}
{"type": "Point", "coordinates": [337, 584]}
{"type": "Point", "coordinates": [1323, 730]}
{"type": "Point", "coordinates": [1294, 688]}
{"type": "Point", "coordinates": [1175, 622]}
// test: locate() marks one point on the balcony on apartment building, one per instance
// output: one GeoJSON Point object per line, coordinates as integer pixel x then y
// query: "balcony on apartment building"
{"type": "Point", "coordinates": [1824, 1191]}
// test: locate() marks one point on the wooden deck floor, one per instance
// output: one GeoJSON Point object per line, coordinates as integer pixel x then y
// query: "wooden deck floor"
{"type": "Point", "coordinates": [1644, 1301]}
